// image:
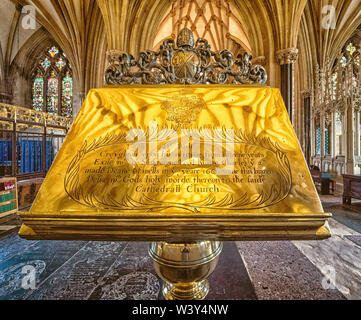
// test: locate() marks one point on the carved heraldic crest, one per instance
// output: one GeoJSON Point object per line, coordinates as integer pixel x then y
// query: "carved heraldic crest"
{"type": "Point", "coordinates": [187, 62]}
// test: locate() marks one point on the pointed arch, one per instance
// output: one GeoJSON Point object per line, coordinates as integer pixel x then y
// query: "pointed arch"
{"type": "Point", "coordinates": [53, 70]}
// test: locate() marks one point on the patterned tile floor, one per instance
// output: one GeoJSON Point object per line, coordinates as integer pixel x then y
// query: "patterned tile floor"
{"type": "Point", "coordinates": [81, 270]}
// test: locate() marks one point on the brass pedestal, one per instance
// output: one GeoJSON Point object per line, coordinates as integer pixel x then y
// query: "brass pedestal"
{"type": "Point", "coordinates": [185, 267]}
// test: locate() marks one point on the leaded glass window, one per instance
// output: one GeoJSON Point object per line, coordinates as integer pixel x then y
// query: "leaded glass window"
{"type": "Point", "coordinates": [357, 61]}
{"type": "Point", "coordinates": [52, 84]}
{"type": "Point", "coordinates": [354, 81]}
{"type": "Point", "coordinates": [343, 61]}
{"type": "Point", "coordinates": [53, 51]}
{"type": "Point", "coordinates": [327, 142]}
{"type": "Point", "coordinates": [46, 64]}
{"type": "Point", "coordinates": [38, 93]}
{"type": "Point", "coordinates": [350, 56]}
{"type": "Point", "coordinates": [351, 48]}
{"type": "Point", "coordinates": [334, 85]}
{"type": "Point", "coordinates": [61, 64]}
{"type": "Point", "coordinates": [52, 94]}
{"type": "Point", "coordinates": [318, 140]}
{"type": "Point", "coordinates": [353, 60]}
{"type": "Point", "coordinates": [67, 87]}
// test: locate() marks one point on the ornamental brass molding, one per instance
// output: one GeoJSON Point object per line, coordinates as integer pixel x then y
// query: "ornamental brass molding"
{"type": "Point", "coordinates": [187, 62]}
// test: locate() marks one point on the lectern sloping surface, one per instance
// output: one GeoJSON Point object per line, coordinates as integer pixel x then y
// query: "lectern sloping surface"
{"type": "Point", "coordinates": [179, 163]}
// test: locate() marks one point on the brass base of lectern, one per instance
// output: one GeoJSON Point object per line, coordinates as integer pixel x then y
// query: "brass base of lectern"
{"type": "Point", "coordinates": [185, 267]}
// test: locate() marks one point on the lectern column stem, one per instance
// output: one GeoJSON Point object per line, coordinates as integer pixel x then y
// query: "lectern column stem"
{"type": "Point", "coordinates": [185, 267]}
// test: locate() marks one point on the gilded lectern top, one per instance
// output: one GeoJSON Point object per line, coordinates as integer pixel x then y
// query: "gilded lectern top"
{"type": "Point", "coordinates": [199, 157]}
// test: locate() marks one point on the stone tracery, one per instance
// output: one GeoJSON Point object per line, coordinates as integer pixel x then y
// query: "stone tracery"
{"type": "Point", "coordinates": [337, 95]}
{"type": "Point", "coordinates": [52, 83]}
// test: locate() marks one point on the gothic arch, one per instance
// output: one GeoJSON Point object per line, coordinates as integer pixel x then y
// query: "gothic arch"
{"type": "Point", "coordinates": [136, 23]}
{"type": "Point", "coordinates": [22, 66]}
{"type": "Point", "coordinates": [78, 28]}
{"type": "Point", "coordinates": [52, 83]}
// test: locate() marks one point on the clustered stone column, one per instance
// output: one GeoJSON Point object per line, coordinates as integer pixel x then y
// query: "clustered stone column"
{"type": "Point", "coordinates": [287, 58]}
{"type": "Point", "coordinates": [333, 150]}
{"type": "Point", "coordinates": [337, 93]}
{"type": "Point", "coordinates": [350, 155]}
{"type": "Point", "coordinates": [357, 133]}
{"type": "Point", "coordinates": [307, 125]}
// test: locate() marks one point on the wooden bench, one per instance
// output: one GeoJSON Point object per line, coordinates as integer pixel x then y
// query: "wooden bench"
{"type": "Point", "coordinates": [337, 183]}
{"type": "Point", "coordinates": [323, 181]}
{"type": "Point", "coordinates": [351, 188]}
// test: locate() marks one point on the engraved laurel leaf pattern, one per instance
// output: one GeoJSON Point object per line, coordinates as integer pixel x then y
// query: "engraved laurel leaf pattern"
{"type": "Point", "coordinates": [277, 193]}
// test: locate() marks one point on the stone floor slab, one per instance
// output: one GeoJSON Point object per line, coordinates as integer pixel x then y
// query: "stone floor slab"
{"type": "Point", "coordinates": [337, 258]}
{"type": "Point", "coordinates": [355, 239]}
{"type": "Point", "coordinates": [279, 271]}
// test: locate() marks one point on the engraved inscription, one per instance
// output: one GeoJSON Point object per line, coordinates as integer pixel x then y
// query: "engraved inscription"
{"type": "Point", "coordinates": [101, 175]}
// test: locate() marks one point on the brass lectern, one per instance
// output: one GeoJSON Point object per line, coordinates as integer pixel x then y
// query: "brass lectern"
{"type": "Point", "coordinates": [184, 148]}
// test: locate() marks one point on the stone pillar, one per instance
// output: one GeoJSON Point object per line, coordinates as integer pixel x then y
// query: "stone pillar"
{"type": "Point", "coordinates": [114, 14]}
{"type": "Point", "coordinates": [307, 125]}
{"type": "Point", "coordinates": [322, 129]}
{"type": "Point", "coordinates": [333, 151]}
{"type": "Point", "coordinates": [287, 58]}
{"type": "Point", "coordinates": [342, 139]}
{"type": "Point", "coordinates": [312, 134]}
{"type": "Point", "coordinates": [78, 98]}
{"type": "Point", "coordinates": [350, 157]}
{"type": "Point", "coordinates": [357, 133]}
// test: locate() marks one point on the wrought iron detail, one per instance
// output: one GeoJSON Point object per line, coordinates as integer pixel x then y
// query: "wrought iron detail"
{"type": "Point", "coordinates": [187, 62]}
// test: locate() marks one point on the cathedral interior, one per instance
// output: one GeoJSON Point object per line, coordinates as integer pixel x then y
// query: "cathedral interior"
{"type": "Point", "coordinates": [53, 53]}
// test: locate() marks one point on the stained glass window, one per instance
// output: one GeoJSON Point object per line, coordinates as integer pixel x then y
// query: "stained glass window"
{"type": "Point", "coordinates": [60, 64]}
{"type": "Point", "coordinates": [38, 93]}
{"type": "Point", "coordinates": [327, 151]}
{"type": "Point", "coordinates": [67, 85]}
{"type": "Point", "coordinates": [318, 140]}
{"type": "Point", "coordinates": [52, 84]}
{"type": "Point", "coordinates": [351, 48]}
{"type": "Point", "coordinates": [334, 85]}
{"type": "Point", "coordinates": [354, 81]}
{"type": "Point", "coordinates": [52, 93]}
{"type": "Point", "coordinates": [357, 60]}
{"type": "Point", "coordinates": [343, 61]}
{"type": "Point", "coordinates": [46, 64]}
{"type": "Point", "coordinates": [345, 77]}
{"type": "Point", "coordinates": [53, 51]}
